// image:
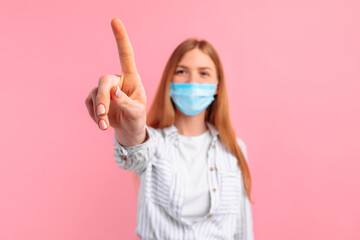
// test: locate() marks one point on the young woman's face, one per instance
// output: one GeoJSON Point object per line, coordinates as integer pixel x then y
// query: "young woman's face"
{"type": "Point", "coordinates": [195, 67]}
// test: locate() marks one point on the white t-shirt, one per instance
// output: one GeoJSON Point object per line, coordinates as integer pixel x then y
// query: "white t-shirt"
{"type": "Point", "coordinates": [193, 154]}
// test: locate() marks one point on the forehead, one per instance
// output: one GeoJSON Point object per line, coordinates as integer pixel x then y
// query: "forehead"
{"type": "Point", "coordinates": [196, 58]}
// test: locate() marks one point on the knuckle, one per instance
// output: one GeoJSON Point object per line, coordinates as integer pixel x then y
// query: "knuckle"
{"type": "Point", "coordinates": [88, 98]}
{"type": "Point", "coordinates": [94, 90]}
{"type": "Point", "coordinates": [105, 79]}
{"type": "Point", "coordinates": [127, 53]}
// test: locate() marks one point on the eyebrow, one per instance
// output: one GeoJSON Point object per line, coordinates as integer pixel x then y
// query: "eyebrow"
{"type": "Point", "coordinates": [198, 68]}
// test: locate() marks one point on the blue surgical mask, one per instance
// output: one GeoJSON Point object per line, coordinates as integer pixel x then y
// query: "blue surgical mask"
{"type": "Point", "coordinates": [192, 98]}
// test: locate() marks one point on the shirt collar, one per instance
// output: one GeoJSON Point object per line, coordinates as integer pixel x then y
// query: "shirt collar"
{"type": "Point", "coordinates": [212, 130]}
{"type": "Point", "coordinates": [173, 130]}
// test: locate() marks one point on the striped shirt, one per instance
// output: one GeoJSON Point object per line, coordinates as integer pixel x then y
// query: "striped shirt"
{"type": "Point", "coordinates": [161, 192]}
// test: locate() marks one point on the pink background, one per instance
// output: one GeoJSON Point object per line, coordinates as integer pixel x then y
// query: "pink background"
{"type": "Point", "coordinates": [292, 69]}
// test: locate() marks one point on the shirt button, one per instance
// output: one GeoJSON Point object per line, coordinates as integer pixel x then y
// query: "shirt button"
{"type": "Point", "coordinates": [214, 190]}
{"type": "Point", "coordinates": [211, 169]}
{"type": "Point", "coordinates": [208, 215]}
{"type": "Point", "coordinates": [213, 146]}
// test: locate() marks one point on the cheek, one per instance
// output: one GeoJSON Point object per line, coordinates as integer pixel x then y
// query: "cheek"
{"type": "Point", "coordinates": [178, 79]}
{"type": "Point", "coordinates": [210, 79]}
{"type": "Point", "coordinates": [213, 81]}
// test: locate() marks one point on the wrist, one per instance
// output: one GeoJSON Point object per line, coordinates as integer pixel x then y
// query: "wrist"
{"type": "Point", "coordinates": [132, 138]}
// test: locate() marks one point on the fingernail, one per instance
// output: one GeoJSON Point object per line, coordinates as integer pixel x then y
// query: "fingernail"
{"type": "Point", "coordinates": [102, 124]}
{"type": "Point", "coordinates": [100, 109]}
{"type": "Point", "coordinates": [118, 92]}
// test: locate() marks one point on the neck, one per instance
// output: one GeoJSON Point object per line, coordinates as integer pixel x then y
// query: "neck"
{"type": "Point", "coordinates": [190, 125]}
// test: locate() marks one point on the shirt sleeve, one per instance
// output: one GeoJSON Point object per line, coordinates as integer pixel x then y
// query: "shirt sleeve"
{"type": "Point", "coordinates": [245, 230]}
{"type": "Point", "coordinates": [135, 158]}
{"type": "Point", "coordinates": [243, 147]}
{"type": "Point", "coordinates": [248, 223]}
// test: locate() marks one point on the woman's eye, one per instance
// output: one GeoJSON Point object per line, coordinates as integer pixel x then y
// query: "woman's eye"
{"type": "Point", "coordinates": [180, 71]}
{"type": "Point", "coordinates": [205, 73]}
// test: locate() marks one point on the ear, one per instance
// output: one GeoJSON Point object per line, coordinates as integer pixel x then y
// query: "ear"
{"type": "Point", "coordinates": [216, 91]}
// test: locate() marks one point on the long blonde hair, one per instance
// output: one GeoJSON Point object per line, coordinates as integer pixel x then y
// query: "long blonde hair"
{"type": "Point", "coordinates": [162, 110]}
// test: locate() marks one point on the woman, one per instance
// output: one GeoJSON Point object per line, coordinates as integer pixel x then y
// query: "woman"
{"type": "Point", "coordinates": [194, 179]}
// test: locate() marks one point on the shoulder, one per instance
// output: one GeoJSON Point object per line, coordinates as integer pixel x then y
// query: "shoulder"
{"type": "Point", "coordinates": [242, 146]}
{"type": "Point", "coordinates": [154, 131]}
{"type": "Point", "coordinates": [161, 137]}
{"type": "Point", "coordinates": [157, 132]}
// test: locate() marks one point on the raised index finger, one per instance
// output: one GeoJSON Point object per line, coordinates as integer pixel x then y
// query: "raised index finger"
{"type": "Point", "coordinates": [126, 52]}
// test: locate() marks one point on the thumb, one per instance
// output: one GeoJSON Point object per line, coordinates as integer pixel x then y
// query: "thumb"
{"type": "Point", "coordinates": [120, 99]}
